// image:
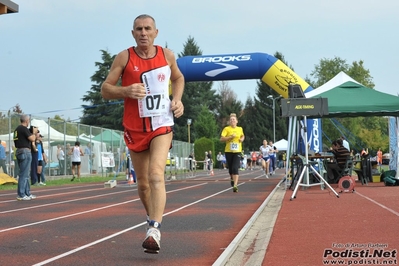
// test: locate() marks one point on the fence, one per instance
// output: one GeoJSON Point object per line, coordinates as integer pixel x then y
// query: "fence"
{"type": "Point", "coordinates": [98, 144]}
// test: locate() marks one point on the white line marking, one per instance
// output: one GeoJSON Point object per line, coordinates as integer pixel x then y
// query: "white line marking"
{"type": "Point", "coordinates": [379, 204]}
{"type": "Point", "coordinates": [125, 230]}
{"type": "Point", "coordinates": [84, 212]}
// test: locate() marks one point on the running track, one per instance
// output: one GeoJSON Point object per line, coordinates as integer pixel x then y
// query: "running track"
{"type": "Point", "coordinates": [87, 224]}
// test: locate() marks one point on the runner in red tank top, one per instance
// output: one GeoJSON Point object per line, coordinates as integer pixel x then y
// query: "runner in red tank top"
{"type": "Point", "coordinates": [146, 70]}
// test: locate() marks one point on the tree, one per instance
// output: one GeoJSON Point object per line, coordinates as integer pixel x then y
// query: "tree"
{"type": "Point", "coordinates": [205, 124]}
{"type": "Point", "coordinates": [101, 112]}
{"type": "Point", "coordinates": [196, 95]}
{"type": "Point", "coordinates": [373, 131]}
{"type": "Point", "coordinates": [228, 104]}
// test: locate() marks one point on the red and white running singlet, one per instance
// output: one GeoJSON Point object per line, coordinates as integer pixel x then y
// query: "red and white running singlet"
{"type": "Point", "coordinates": [153, 111]}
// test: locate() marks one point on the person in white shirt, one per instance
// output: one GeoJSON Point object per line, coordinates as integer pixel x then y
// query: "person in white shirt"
{"type": "Point", "coordinates": [76, 152]}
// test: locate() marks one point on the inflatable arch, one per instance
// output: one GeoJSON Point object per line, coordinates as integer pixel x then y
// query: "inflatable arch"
{"type": "Point", "coordinates": [262, 66]}
{"type": "Point", "coordinates": [241, 66]}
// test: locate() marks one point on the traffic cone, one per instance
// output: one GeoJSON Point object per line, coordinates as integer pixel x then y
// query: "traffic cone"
{"type": "Point", "coordinates": [130, 181]}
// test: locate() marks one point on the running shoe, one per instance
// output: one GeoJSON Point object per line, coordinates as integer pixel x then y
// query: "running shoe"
{"type": "Point", "coordinates": [24, 198]}
{"type": "Point", "coordinates": [42, 184]}
{"type": "Point", "coordinates": [152, 241]}
{"type": "Point", "coordinates": [267, 176]}
{"type": "Point", "coordinates": [73, 178]}
{"type": "Point", "coordinates": [232, 182]}
{"type": "Point", "coordinates": [235, 189]}
{"type": "Point", "coordinates": [31, 196]}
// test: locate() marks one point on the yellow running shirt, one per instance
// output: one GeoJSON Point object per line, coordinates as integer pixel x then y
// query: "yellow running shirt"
{"type": "Point", "coordinates": [233, 145]}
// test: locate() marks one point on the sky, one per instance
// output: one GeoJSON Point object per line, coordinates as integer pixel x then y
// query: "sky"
{"type": "Point", "coordinates": [48, 50]}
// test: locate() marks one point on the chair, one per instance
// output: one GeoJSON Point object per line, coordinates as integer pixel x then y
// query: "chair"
{"type": "Point", "coordinates": [347, 170]}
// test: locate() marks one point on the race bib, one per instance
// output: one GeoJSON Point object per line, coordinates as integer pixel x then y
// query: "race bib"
{"type": "Point", "coordinates": [156, 102]}
{"type": "Point", "coordinates": [234, 146]}
{"type": "Point", "coordinates": [153, 105]}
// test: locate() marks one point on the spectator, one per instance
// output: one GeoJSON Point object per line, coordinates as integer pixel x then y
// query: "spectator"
{"type": "Point", "coordinates": [68, 158]}
{"type": "Point", "coordinates": [14, 158]}
{"type": "Point", "coordinates": [341, 154]}
{"type": "Point", "coordinates": [190, 161]}
{"type": "Point", "coordinates": [3, 158]}
{"type": "Point", "coordinates": [34, 163]}
{"type": "Point", "coordinates": [219, 158]}
{"type": "Point", "coordinates": [379, 157]}
{"type": "Point", "coordinates": [91, 155]}
{"type": "Point", "coordinates": [22, 141]}
{"type": "Point", "coordinates": [42, 160]}
{"type": "Point", "coordinates": [254, 157]}
{"type": "Point", "coordinates": [345, 143]}
{"type": "Point", "coordinates": [61, 160]}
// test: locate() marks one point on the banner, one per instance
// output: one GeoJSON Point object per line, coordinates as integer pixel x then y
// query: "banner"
{"type": "Point", "coordinates": [107, 159]}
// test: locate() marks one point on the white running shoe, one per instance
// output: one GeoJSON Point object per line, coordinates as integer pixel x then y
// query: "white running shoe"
{"type": "Point", "coordinates": [267, 176]}
{"type": "Point", "coordinates": [152, 241]}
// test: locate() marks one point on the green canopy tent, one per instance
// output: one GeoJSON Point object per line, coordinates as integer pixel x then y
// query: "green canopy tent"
{"type": "Point", "coordinates": [110, 137]}
{"type": "Point", "coordinates": [351, 99]}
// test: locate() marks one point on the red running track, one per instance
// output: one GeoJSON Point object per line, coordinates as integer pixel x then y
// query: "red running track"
{"type": "Point", "coordinates": [87, 224]}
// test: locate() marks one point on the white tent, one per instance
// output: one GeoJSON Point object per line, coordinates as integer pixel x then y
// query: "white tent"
{"type": "Point", "coordinates": [281, 145]}
{"type": "Point", "coordinates": [50, 133]}
{"type": "Point", "coordinates": [339, 79]}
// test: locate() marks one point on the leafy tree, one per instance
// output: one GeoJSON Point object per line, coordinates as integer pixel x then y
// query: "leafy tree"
{"type": "Point", "coordinates": [372, 131]}
{"type": "Point", "coordinates": [228, 104]}
{"type": "Point", "coordinates": [196, 95]}
{"type": "Point", "coordinates": [205, 124]}
{"type": "Point", "coordinates": [101, 112]}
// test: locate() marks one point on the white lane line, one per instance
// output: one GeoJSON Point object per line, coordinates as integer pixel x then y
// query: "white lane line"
{"type": "Point", "coordinates": [88, 211]}
{"type": "Point", "coordinates": [124, 231]}
{"type": "Point", "coordinates": [52, 189]}
{"type": "Point", "coordinates": [377, 203]}
{"type": "Point", "coordinates": [66, 201]}
{"type": "Point", "coordinates": [64, 193]}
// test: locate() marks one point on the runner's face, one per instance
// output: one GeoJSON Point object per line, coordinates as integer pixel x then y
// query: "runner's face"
{"type": "Point", "coordinates": [144, 32]}
{"type": "Point", "coordinates": [233, 121]}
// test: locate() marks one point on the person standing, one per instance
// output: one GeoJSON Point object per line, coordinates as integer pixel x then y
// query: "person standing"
{"type": "Point", "coordinates": [76, 152]}
{"type": "Point", "coordinates": [34, 163]}
{"type": "Point", "coordinates": [23, 139]}
{"type": "Point", "coordinates": [42, 160]}
{"type": "Point", "coordinates": [61, 160]}
{"type": "Point", "coordinates": [219, 158]}
{"type": "Point", "coordinates": [209, 160]}
{"type": "Point", "coordinates": [68, 158]}
{"type": "Point", "coordinates": [233, 135]}
{"type": "Point", "coordinates": [379, 157]}
{"type": "Point", "coordinates": [3, 158]}
{"type": "Point", "coordinates": [146, 70]}
{"type": "Point", "coordinates": [91, 155]}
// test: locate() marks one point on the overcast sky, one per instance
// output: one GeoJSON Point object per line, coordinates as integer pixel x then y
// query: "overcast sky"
{"type": "Point", "coordinates": [48, 49]}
